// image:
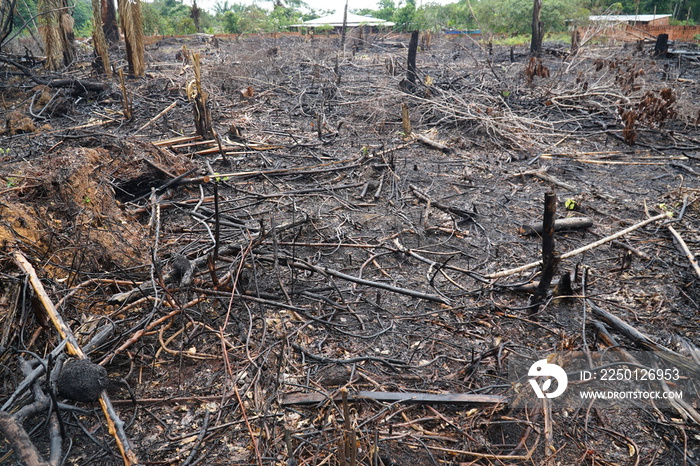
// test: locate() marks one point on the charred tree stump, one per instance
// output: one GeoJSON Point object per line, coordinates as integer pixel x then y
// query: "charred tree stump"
{"type": "Point", "coordinates": [202, 114]}
{"type": "Point", "coordinates": [549, 258]}
{"type": "Point", "coordinates": [411, 65]}
{"type": "Point", "coordinates": [537, 29]}
{"type": "Point", "coordinates": [575, 40]}
{"type": "Point", "coordinates": [661, 46]}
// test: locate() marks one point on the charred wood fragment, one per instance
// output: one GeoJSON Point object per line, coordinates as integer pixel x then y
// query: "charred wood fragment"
{"type": "Point", "coordinates": [571, 223]}
{"type": "Point", "coordinates": [25, 450]}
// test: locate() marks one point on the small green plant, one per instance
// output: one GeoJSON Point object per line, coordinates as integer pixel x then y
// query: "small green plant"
{"type": "Point", "coordinates": [665, 208]}
{"type": "Point", "coordinates": [12, 182]}
{"type": "Point", "coordinates": [4, 152]}
{"type": "Point", "coordinates": [364, 150]}
{"type": "Point", "coordinates": [218, 178]}
{"type": "Point", "coordinates": [86, 200]}
{"type": "Point", "coordinates": [570, 204]}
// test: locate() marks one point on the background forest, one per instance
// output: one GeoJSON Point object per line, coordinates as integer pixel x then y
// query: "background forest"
{"type": "Point", "coordinates": [168, 17]}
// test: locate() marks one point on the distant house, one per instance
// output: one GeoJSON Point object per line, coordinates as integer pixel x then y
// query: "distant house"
{"type": "Point", "coordinates": [335, 21]}
{"type": "Point", "coordinates": [646, 20]}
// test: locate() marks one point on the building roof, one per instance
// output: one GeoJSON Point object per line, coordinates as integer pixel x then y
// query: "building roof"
{"type": "Point", "coordinates": [336, 19]}
{"type": "Point", "coordinates": [627, 18]}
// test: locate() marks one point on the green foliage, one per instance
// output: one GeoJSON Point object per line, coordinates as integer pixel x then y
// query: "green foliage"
{"type": "Point", "coordinates": [231, 22]}
{"type": "Point", "coordinates": [324, 29]}
{"type": "Point", "coordinates": [687, 22]}
{"type": "Point", "coordinates": [82, 14]}
{"type": "Point", "coordinates": [170, 17]}
{"type": "Point", "coordinates": [405, 17]}
{"type": "Point", "coordinates": [515, 16]}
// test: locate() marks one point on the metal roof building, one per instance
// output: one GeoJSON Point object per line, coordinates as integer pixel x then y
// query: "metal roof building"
{"type": "Point", "coordinates": [336, 20]}
{"type": "Point", "coordinates": [638, 19]}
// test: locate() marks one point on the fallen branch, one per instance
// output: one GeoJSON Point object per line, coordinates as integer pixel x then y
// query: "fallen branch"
{"type": "Point", "coordinates": [571, 223]}
{"type": "Point", "coordinates": [155, 118]}
{"type": "Point", "coordinates": [413, 397]}
{"type": "Point", "coordinates": [684, 248]}
{"type": "Point", "coordinates": [532, 265]}
{"type": "Point", "coordinates": [643, 340]}
{"type": "Point", "coordinates": [433, 144]}
{"type": "Point", "coordinates": [362, 281]}
{"type": "Point", "coordinates": [438, 205]}
{"type": "Point", "coordinates": [542, 175]}
{"type": "Point", "coordinates": [20, 441]}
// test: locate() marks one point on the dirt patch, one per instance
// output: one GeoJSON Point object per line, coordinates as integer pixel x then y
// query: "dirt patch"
{"type": "Point", "coordinates": [64, 205]}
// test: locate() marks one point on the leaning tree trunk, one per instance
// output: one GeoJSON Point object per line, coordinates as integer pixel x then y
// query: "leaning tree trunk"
{"type": "Point", "coordinates": [109, 21]}
{"type": "Point", "coordinates": [537, 29]}
{"type": "Point", "coordinates": [56, 27]}
{"type": "Point", "coordinates": [7, 12]}
{"type": "Point", "coordinates": [132, 26]}
{"type": "Point", "coordinates": [98, 38]}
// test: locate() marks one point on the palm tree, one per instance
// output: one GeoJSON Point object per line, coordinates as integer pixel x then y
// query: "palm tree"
{"type": "Point", "coordinates": [98, 37]}
{"type": "Point", "coordinates": [132, 27]}
{"type": "Point", "coordinates": [56, 27]}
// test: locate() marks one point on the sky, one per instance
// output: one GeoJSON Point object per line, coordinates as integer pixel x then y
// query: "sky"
{"type": "Point", "coordinates": [336, 5]}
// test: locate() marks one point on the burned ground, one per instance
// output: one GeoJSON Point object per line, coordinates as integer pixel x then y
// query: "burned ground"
{"type": "Point", "coordinates": [333, 248]}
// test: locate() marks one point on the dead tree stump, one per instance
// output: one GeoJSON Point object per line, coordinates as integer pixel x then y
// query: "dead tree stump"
{"type": "Point", "coordinates": [411, 65]}
{"type": "Point", "coordinates": [661, 47]}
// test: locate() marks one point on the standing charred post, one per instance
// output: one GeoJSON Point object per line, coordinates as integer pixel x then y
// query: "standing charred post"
{"type": "Point", "coordinates": [344, 30]}
{"type": "Point", "coordinates": [549, 258]}
{"type": "Point", "coordinates": [411, 71]}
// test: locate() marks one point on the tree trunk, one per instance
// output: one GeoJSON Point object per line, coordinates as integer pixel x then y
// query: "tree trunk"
{"type": "Point", "coordinates": [56, 27]}
{"type": "Point", "coordinates": [66, 22]}
{"type": "Point", "coordinates": [7, 12]}
{"type": "Point", "coordinates": [109, 21]}
{"type": "Point", "coordinates": [132, 27]}
{"type": "Point", "coordinates": [196, 14]}
{"type": "Point", "coordinates": [537, 29]}
{"type": "Point", "coordinates": [98, 39]}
